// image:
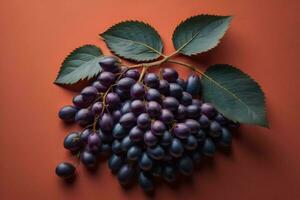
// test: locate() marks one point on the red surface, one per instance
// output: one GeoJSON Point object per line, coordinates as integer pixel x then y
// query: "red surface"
{"type": "Point", "coordinates": [35, 37]}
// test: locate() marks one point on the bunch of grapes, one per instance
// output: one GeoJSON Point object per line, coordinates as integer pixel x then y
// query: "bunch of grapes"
{"type": "Point", "coordinates": [147, 125]}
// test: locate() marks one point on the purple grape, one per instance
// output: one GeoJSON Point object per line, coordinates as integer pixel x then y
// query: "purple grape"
{"type": "Point", "coordinates": [79, 102]}
{"type": "Point", "coordinates": [166, 116]}
{"type": "Point", "coordinates": [191, 143]}
{"type": "Point", "coordinates": [200, 135]}
{"type": "Point", "coordinates": [193, 125]}
{"type": "Point", "coordinates": [185, 165]}
{"type": "Point", "coordinates": [94, 143]}
{"type": "Point", "coordinates": [208, 148]}
{"type": "Point", "coordinates": [171, 104]}
{"type": "Point", "coordinates": [215, 129]}
{"type": "Point", "coordinates": [115, 163]}
{"type": "Point", "coordinates": [85, 135]}
{"type": "Point", "coordinates": [181, 130]}
{"type": "Point", "coordinates": [193, 85]}
{"type": "Point", "coordinates": [105, 150]}
{"type": "Point", "coordinates": [181, 82]}
{"type": "Point", "coordinates": [153, 95]}
{"type": "Point", "coordinates": [164, 87]}
{"type": "Point", "coordinates": [134, 153]}
{"type": "Point", "coordinates": [101, 88]}
{"type": "Point", "coordinates": [145, 162]}
{"type": "Point", "coordinates": [137, 91]}
{"type": "Point", "coordinates": [145, 181]}
{"type": "Point", "coordinates": [97, 108]}
{"type": "Point", "coordinates": [125, 83]}
{"type": "Point", "coordinates": [116, 114]}
{"type": "Point", "coordinates": [153, 109]}
{"type": "Point", "coordinates": [67, 113]}
{"type": "Point", "coordinates": [204, 121]}
{"type": "Point", "coordinates": [128, 120]}
{"type": "Point", "coordinates": [158, 127]}
{"type": "Point", "coordinates": [72, 141]}
{"type": "Point", "coordinates": [106, 78]}
{"type": "Point", "coordinates": [137, 107]}
{"type": "Point", "coordinates": [193, 111]}
{"type": "Point", "coordinates": [84, 117]}
{"type": "Point", "coordinates": [221, 119]}
{"type": "Point", "coordinates": [181, 112]}
{"type": "Point", "coordinates": [110, 64]}
{"type": "Point", "coordinates": [169, 74]}
{"type": "Point", "coordinates": [89, 93]}
{"type": "Point", "coordinates": [126, 143]}
{"type": "Point", "coordinates": [156, 152]}
{"type": "Point", "coordinates": [118, 131]}
{"type": "Point", "coordinates": [143, 121]}
{"type": "Point", "coordinates": [105, 136]}
{"type": "Point", "coordinates": [113, 100]}
{"type": "Point", "coordinates": [106, 122]}
{"type": "Point", "coordinates": [225, 137]}
{"type": "Point", "coordinates": [136, 134]}
{"type": "Point", "coordinates": [176, 90]}
{"type": "Point", "coordinates": [116, 147]}
{"type": "Point", "coordinates": [88, 159]}
{"type": "Point", "coordinates": [197, 102]}
{"type": "Point", "coordinates": [150, 139]}
{"type": "Point", "coordinates": [166, 138]}
{"type": "Point", "coordinates": [126, 107]}
{"type": "Point", "coordinates": [151, 80]}
{"type": "Point", "coordinates": [65, 170]}
{"type": "Point", "coordinates": [186, 99]}
{"type": "Point", "coordinates": [133, 73]}
{"type": "Point", "coordinates": [125, 174]}
{"type": "Point", "coordinates": [176, 148]}
{"type": "Point", "coordinates": [123, 94]}
{"type": "Point", "coordinates": [208, 110]}
{"type": "Point", "coordinates": [169, 173]}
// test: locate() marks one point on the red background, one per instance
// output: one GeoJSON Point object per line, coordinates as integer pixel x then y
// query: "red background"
{"type": "Point", "coordinates": [36, 35]}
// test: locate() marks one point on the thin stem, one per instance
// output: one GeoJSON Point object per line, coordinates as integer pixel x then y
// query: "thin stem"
{"type": "Point", "coordinates": [188, 66]}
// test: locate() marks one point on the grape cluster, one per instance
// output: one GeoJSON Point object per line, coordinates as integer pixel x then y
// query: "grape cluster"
{"type": "Point", "coordinates": [148, 125]}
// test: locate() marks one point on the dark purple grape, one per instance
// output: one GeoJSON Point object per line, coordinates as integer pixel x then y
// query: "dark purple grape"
{"type": "Point", "coordinates": [106, 137]}
{"type": "Point", "coordinates": [169, 74]}
{"type": "Point", "coordinates": [115, 162]}
{"type": "Point", "coordinates": [97, 108]}
{"type": "Point", "coordinates": [106, 122]}
{"type": "Point", "coordinates": [200, 135]}
{"type": "Point", "coordinates": [65, 170]}
{"type": "Point", "coordinates": [204, 121]}
{"type": "Point", "coordinates": [193, 111]}
{"type": "Point", "coordinates": [79, 102]}
{"type": "Point", "coordinates": [185, 165]}
{"type": "Point", "coordinates": [137, 107]}
{"type": "Point", "coordinates": [134, 153]}
{"type": "Point", "coordinates": [197, 102]}
{"type": "Point", "coordinates": [215, 129]}
{"type": "Point", "coordinates": [153, 109]}
{"type": "Point", "coordinates": [128, 120]}
{"type": "Point", "coordinates": [84, 117]}
{"type": "Point", "coordinates": [126, 107]}
{"type": "Point", "coordinates": [156, 170]}
{"type": "Point", "coordinates": [176, 90]}
{"type": "Point", "coordinates": [123, 94]}
{"type": "Point", "coordinates": [181, 82]}
{"type": "Point", "coordinates": [113, 100]}
{"type": "Point", "coordinates": [208, 110]}
{"type": "Point", "coordinates": [190, 143]}
{"type": "Point", "coordinates": [101, 88]}
{"type": "Point", "coordinates": [143, 121]}
{"type": "Point", "coordinates": [116, 114]}
{"type": "Point", "coordinates": [137, 91]}
{"type": "Point", "coordinates": [153, 95]}
{"type": "Point", "coordinates": [181, 130]}
{"type": "Point", "coordinates": [106, 78]}
{"type": "Point", "coordinates": [169, 173]}
{"type": "Point", "coordinates": [150, 139]}
{"type": "Point", "coordinates": [126, 143]}
{"type": "Point", "coordinates": [166, 116]}
{"type": "Point", "coordinates": [171, 104]}
{"type": "Point", "coordinates": [225, 137]}
{"type": "Point", "coordinates": [181, 112]}
{"type": "Point", "coordinates": [156, 152]}
{"type": "Point", "coordinates": [133, 73]}
{"type": "Point", "coordinates": [208, 148]}
{"type": "Point", "coordinates": [116, 147]}
{"type": "Point", "coordinates": [164, 87]}
{"type": "Point", "coordinates": [72, 141]}
{"type": "Point", "coordinates": [232, 124]}
{"type": "Point", "coordinates": [193, 125]}
{"type": "Point", "coordinates": [145, 162]}
{"type": "Point", "coordinates": [110, 64]}
{"type": "Point", "coordinates": [89, 93]}
{"type": "Point", "coordinates": [94, 142]}
{"type": "Point", "coordinates": [193, 85]}
{"type": "Point", "coordinates": [176, 149]}
{"type": "Point", "coordinates": [151, 80]}
{"type": "Point", "coordinates": [125, 83]}
{"type": "Point", "coordinates": [136, 134]}
{"type": "Point", "coordinates": [145, 181]}
{"type": "Point", "coordinates": [67, 113]}
{"type": "Point", "coordinates": [118, 131]}
{"type": "Point", "coordinates": [105, 150]}
{"type": "Point", "coordinates": [126, 174]}
{"type": "Point", "coordinates": [158, 127]}
{"type": "Point", "coordinates": [85, 135]}
{"type": "Point", "coordinates": [186, 99]}
{"type": "Point", "coordinates": [166, 139]}
{"type": "Point", "coordinates": [221, 119]}
{"type": "Point", "coordinates": [88, 159]}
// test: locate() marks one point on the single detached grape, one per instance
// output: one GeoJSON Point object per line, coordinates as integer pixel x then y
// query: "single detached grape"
{"type": "Point", "coordinates": [65, 170]}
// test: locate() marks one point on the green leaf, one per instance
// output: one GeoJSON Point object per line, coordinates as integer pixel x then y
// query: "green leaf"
{"type": "Point", "coordinates": [82, 63]}
{"type": "Point", "coordinates": [200, 33]}
{"type": "Point", "coordinates": [134, 40]}
{"type": "Point", "coordinates": [236, 95]}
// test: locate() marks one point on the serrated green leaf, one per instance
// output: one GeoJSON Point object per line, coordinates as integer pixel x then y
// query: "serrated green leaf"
{"type": "Point", "coordinates": [200, 33]}
{"type": "Point", "coordinates": [236, 95]}
{"type": "Point", "coordinates": [134, 40]}
{"type": "Point", "coordinates": [81, 64]}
